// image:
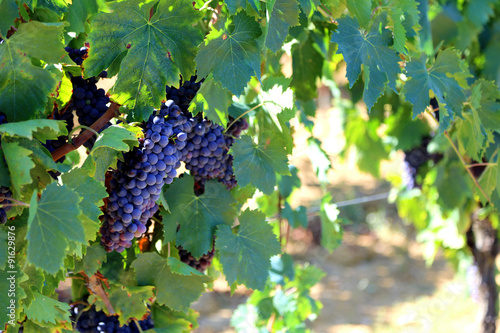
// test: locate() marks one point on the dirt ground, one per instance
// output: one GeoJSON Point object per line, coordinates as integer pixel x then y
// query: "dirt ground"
{"type": "Point", "coordinates": [377, 280]}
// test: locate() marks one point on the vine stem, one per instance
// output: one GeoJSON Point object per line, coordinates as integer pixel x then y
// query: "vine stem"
{"type": "Point", "coordinates": [138, 326]}
{"type": "Point", "coordinates": [87, 134]}
{"type": "Point", "coordinates": [467, 168]}
{"type": "Point", "coordinates": [17, 202]}
{"type": "Point", "coordinates": [244, 113]}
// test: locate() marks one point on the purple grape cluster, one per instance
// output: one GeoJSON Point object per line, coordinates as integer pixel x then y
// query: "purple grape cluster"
{"type": "Point", "coordinates": [414, 160]}
{"type": "Point", "coordinates": [5, 192]}
{"type": "Point", "coordinates": [200, 264]}
{"type": "Point", "coordinates": [92, 321]}
{"type": "Point", "coordinates": [206, 152]}
{"type": "Point", "coordinates": [138, 180]}
{"type": "Point", "coordinates": [52, 145]}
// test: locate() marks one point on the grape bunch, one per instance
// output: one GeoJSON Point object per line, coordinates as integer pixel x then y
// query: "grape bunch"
{"type": "Point", "coordinates": [414, 160]}
{"type": "Point", "coordinates": [206, 152]}
{"type": "Point", "coordinates": [89, 102]}
{"type": "Point", "coordinates": [136, 184]}
{"type": "Point", "coordinates": [92, 321]}
{"type": "Point", "coordinates": [200, 264]}
{"type": "Point", "coordinates": [5, 192]}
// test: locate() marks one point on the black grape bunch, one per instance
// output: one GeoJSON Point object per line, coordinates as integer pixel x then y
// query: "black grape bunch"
{"type": "Point", "coordinates": [91, 321]}
{"type": "Point", "coordinates": [201, 264]}
{"type": "Point", "coordinates": [136, 184]}
{"type": "Point", "coordinates": [415, 159]}
{"type": "Point", "coordinates": [5, 192]}
{"type": "Point", "coordinates": [66, 116]}
{"type": "Point", "coordinates": [89, 102]}
{"type": "Point", "coordinates": [206, 152]}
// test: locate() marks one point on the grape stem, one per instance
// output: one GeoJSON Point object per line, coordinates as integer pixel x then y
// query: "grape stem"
{"type": "Point", "coordinates": [244, 113]}
{"type": "Point", "coordinates": [87, 134]}
{"type": "Point", "coordinates": [138, 325]}
{"type": "Point", "coordinates": [17, 202]}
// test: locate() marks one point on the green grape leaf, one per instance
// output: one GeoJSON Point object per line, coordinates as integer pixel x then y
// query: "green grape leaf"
{"type": "Point", "coordinates": [46, 309]}
{"type": "Point", "coordinates": [128, 301]}
{"type": "Point", "coordinates": [158, 49]}
{"type": "Point", "coordinates": [488, 180]}
{"type": "Point", "coordinates": [296, 218]}
{"type": "Point", "coordinates": [79, 12]}
{"type": "Point", "coordinates": [362, 10]}
{"type": "Point", "coordinates": [179, 267]}
{"type": "Point", "coordinates": [453, 185]}
{"type": "Point", "coordinates": [308, 6]}
{"type": "Point", "coordinates": [380, 62]}
{"type": "Point", "coordinates": [8, 13]}
{"type": "Point", "coordinates": [93, 192]}
{"type": "Point", "coordinates": [198, 216]}
{"type": "Point", "coordinates": [173, 290]}
{"type": "Point", "coordinates": [445, 80]}
{"type": "Point", "coordinates": [319, 159]}
{"type": "Point", "coordinates": [471, 133]}
{"type": "Point", "coordinates": [168, 321]}
{"type": "Point", "coordinates": [53, 222]}
{"type": "Point", "coordinates": [257, 164]}
{"type": "Point", "coordinates": [213, 100]}
{"type": "Point", "coordinates": [231, 53]}
{"type": "Point", "coordinates": [34, 283]}
{"type": "Point", "coordinates": [4, 249]}
{"type": "Point", "coordinates": [42, 129]}
{"type": "Point", "coordinates": [331, 231]}
{"type": "Point", "coordinates": [23, 96]}
{"type": "Point", "coordinates": [245, 256]}
{"type": "Point", "coordinates": [307, 64]}
{"type": "Point", "coordinates": [480, 11]}
{"type": "Point", "coordinates": [281, 15]}
{"type": "Point", "coordinates": [92, 261]}
{"type": "Point", "coordinates": [489, 108]}
{"type": "Point", "coordinates": [286, 184]}
{"type": "Point", "coordinates": [370, 148]}
{"type": "Point", "coordinates": [234, 5]}
{"type": "Point", "coordinates": [20, 163]}
{"type": "Point", "coordinates": [111, 142]}
{"type": "Point", "coordinates": [4, 171]}
{"type": "Point", "coordinates": [399, 30]}
{"type": "Point", "coordinates": [408, 132]}
{"type": "Point", "coordinates": [281, 268]}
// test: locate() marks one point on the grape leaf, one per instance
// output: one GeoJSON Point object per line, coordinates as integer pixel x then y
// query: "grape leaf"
{"type": "Point", "coordinates": [92, 261]}
{"type": "Point", "coordinates": [399, 30]}
{"type": "Point", "coordinates": [4, 171]}
{"type": "Point", "coordinates": [20, 163]}
{"type": "Point", "coordinates": [489, 108]}
{"type": "Point", "coordinates": [42, 129]}
{"type": "Point", "coordinates": [53, 222]}
{"type": "Point", "coordinates": [307, 64]}
{"type": "Point", "coordinates": [286, 184]}
{"type": "Point", "coordinates": [213, 101]}
{"type": "Point", "coordinates": [33, 284]}
{"type": "Point", "coordinates": [488, 180]}
{"type": "Point", "coordinates": [331, 231]}
{"type": "Point", "coordinates": [234, 5]}
{"type": "Point", "coordinates": [319, 159]}
{"type": "Point", "coordinates": [453, 185]}
{"type": "Point", "coordinates": [23, 96]}
{"type": "Point", "coordinates": [281, 15]}
{"type": "Point", "coordinates": [380, 62]}
{"type": "Point", "coordinates": [257, 164]}
{"type": "Point", "coordinates": [168, 321]}
{"type": "Point", "coordinates": [198, 216]}
{"type": "Point", "coordinates": [107, 148]}
{"type": "Point", "coordinates": [79, 12]}
{"type": "Point", "coordinates": [159, 48]}
{"type": "Point", "coordinates": [231, 53]}
{"type": "Point", "coordinates": [296, 217]}
{"type": "Point", "coordinates": [444, 78]}
{"type": "Point", "coordinates": [46, 309]}
{"type": "Point", "coordinates": [281, 268]}
{"type": "Point", "coordinates": [93, 192]}
{"type": "Point", "coordinates": [8, 13]}
{"type": "Point", "coordinates": [245, 256]}
{"type": "Point", "coordinates": [362, 10]}
{"type": "Point", "coordinates": [173, 290]}
{"type": "Point", "coordinates": [480, 11]}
